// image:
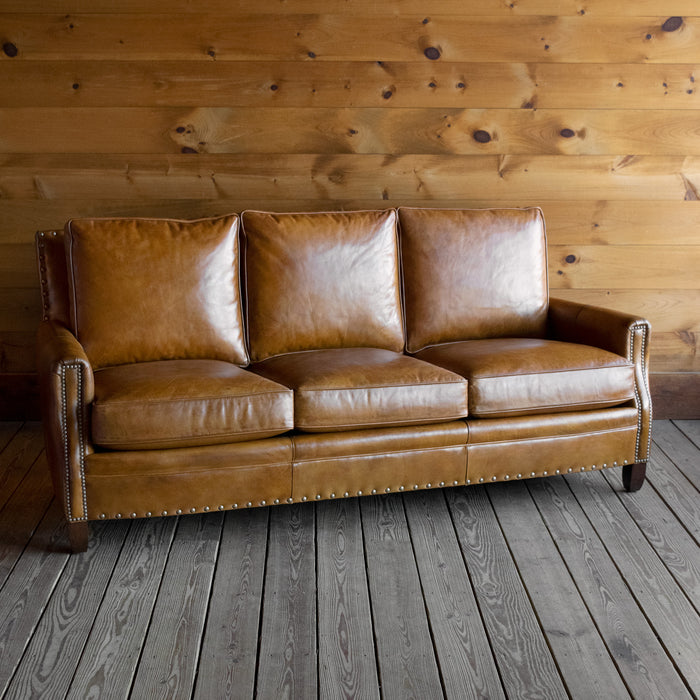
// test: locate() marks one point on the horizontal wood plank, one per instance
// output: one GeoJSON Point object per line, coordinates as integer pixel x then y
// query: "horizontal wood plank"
{"type": "Point", "coordinates": [369, 130]}
{"type": "Point", "coordinates": [370, 7]}
{"type": "Point", "coordinates": [336, 178]}
{"type": "Point", "coordinates": [331, 37]}
{"type": "Point", "coordinates": [345, 84]}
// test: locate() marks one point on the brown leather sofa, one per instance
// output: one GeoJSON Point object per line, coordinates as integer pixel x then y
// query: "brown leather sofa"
{"type": "Point", "coordinates": [193, 366]}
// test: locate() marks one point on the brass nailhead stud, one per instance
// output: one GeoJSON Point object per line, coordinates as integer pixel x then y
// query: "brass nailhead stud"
{"type": "Point", "coordinates": [614, 464]}
{"type": "Point", "coordinates": [290, 500]}
{"type": "Point", "coordinates": [133, 515]}
{"type": "Point", "coordinates": [557, 471]}
{"type": "Point", "coordinates": [481, 478]}
{"type": "Point", "coordinates": [235, 505]}
{"type": "Point", "coordinates": [605, 465]}
{"type": "Point", "coordinates": [469, 481]}
{"type": "Point", "coordinates": [545, 473]}
{"type": "Point", "coordinates": [303, 498]}
{"type": "Point", "coordinates": [507, 476]}
{"type": "Point", "coordinates": [206, 509]}
{"type": "Point", "coordinates": [102, 516]}
{"type": "Point", "coordinates": [374, 491]}
{"type": "Point", "coordinates": [359, 493]}
{"type": "Point", "coordinates": [415, 487]}
{"type": "Point", "coordinates": [177, 512]}
{"type": "Point", "coordinates": [493, 478]}
{"type": "Point", "coordinates": [149, 514]}
{"type": "Point", "coordinates": [532, 473]}
{"type": "Point", "coordinates": [263, 503]}
{"type": "Point", "coordinates": [193, 510]}
{"type": "Point", "coordinates": [249, 505]}
{"type": "Point", "coordinates": [221, 507]}
{"type": "Point", "coordinates": [429, 485]}
{"type": "Point", "coordinates": [346, 494]}
{"type": "Point", "coordinates": [318, 496]}
{"type": "Point", "coordinates": [165, 512]}
{"type": "Point", "coordinates": [520, 476]}
{"type": "Point", "coordinates": [387, 489]}
{"type": "Point", "coordinates": [400, 488]}
{"type": "Point", "coordinates": [118, 516]}
{"type": "Point", "coordinates": [277, 500]}
{"type": "Point", "coordinates": [455, 483]}
{"type": "Point", "coordinates": [570, 469]}
{"type": "Point", "coordinates": [332, 495]}
{"type": "Point", "coordinates": [442, 483]}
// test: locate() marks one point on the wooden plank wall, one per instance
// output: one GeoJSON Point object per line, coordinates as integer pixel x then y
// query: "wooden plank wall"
{"type": "Point", "coordinates": [589, 108]}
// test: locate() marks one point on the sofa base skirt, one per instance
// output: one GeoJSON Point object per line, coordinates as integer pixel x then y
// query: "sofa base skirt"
{"type": "Point", "coordinates": [520, 448]}
{"type": "Point", "coordinates": [368, 462]}
{"type": "Point", "coordinates": [137, 484]}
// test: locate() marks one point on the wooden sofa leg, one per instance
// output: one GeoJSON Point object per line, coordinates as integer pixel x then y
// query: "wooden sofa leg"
{"type": "Point", "coordinates": [633, 476]}
{"type": "Point", "coordinates": [78, 536]}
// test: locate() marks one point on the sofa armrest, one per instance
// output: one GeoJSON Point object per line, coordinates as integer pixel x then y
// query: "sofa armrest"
{"type": "Point", "coordinates": [67, 389]}
{"type": "Point", "coordinates": [616, 332]}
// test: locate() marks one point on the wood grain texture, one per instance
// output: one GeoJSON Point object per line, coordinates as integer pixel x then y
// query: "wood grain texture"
{"type": "Point", "coordinates": [684, 454]}
{"type": "Point", "coordinates": [170, 651]}
{"type": "Point", "coordinates": [227, 659]}
{"type": "Point", "coordinates": [668, 610]}
{"type": "Point", "coordinates": [691, 430]}
{"type": "Point", "coordinates": [344, 84]}
{"type": "Point", "coordinates": [524, 659]}
{"type": "Point", "coordinates": [577, 646]}
{"type": "Point", "coordinates": [456, 625]}
{"type": "Point", "coordinates": [368, 130]}
{"type": "Point", "coordinates": [370, 7]}
{"type": "Point", "coordinates": [331, 37]}
{"type": "Point", "coordinates": [110, 657]}
{"type": "Point", "coordinates": [346, 667]}
{"type": "Point", "coordinates": [639, 656]}
{"type": "Point", "coordinates": [48, 664]}
{"type": "Point", "coordinates": [415, 178]}
{"type": "Point", "coordinates": [20, 450]}
{"type": "Point", "coordinates": [27, 591]}
{"type": "Point", "coordinates": [287, 665]}
{"type": "Point", "coordinates": [407, 664]}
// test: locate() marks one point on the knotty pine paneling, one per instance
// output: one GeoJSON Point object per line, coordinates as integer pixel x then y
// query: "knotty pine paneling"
{"type": "Point", "coordinates": [587, 108]}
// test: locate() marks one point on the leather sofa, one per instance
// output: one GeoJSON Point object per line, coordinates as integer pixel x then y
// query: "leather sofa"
{"type": "Point", "coordinates": [266, 358]}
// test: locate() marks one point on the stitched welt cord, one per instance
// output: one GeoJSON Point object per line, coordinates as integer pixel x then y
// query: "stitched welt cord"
{"type": "Point", "coordinates": [81, 439]}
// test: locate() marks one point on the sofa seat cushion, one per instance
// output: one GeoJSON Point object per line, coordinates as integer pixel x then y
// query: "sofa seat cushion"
{"type": "Point", "coordinates": [523, 376]}
{"type": "Point", "coordinates": [352, 388]}
{"type": "Point", "coordinates": [185, 403]}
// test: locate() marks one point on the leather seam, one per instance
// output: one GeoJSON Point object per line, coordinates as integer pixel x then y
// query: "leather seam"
{"type": "Point", "coordinates": [609, 402]}
{"type": "Point", "coordinates": [149, 402]}
{"type": "Point", "coordinates": [550, 371]}
{"type": "Point", "coordinates": [384, 386]}
{"type": "Point", "coordinates": [388, 423]}
{"type": "Point", "coordinates": [588, 433]}
{"type": "Point", "coordinates": [378, 454]}
{"type": "Point", "coordinates": [187, 473]}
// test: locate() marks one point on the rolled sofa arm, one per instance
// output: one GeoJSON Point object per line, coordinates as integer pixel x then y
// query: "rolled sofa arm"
{"type": "Point", "coordinates": [616, 332]}
{"type": "Point", "coordinates": [67, 390]}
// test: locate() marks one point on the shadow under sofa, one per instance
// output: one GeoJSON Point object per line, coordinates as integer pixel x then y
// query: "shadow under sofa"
{"type": "Point", "coordinates": [261, 359]}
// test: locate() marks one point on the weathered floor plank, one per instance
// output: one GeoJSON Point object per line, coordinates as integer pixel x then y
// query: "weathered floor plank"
{"type": "Point", "coordinates": [228, 656]}
{"type": "Point", "coordinates": [669, 611]}
{"type": "Point", "coordinates": [346, 664]}
{"type": "Point", "coordinates": [570, 631]}
{"type": "Point", "coordinates": [675, 546]}
{"type": "Point", "coordinates": [461, 644]}
{"type": "Point", "coordinates": [20, 449]}
{"type": "Point", "coordinates": [108, 663]}
{"type": "Point", "coordinates": [287, 666]}
{"type": "Point", "coordinates": [168, 662]}
{"type": "Point", "coordinates": [407, 664]}
{"type": "Point", "coordinates": [632, 643]}
{"type": "Point", "coordinates": [48, 664]}
{"type": "Point", "coordinates": [27, 591]}
{"type": "Point", "coordinates": [523, 656]}
{"type": "Point", "coordinates": [681, 445]}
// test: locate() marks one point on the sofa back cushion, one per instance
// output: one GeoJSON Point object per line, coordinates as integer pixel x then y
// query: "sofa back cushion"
{"type": "Point", "coordinates": [156, 289]}
{"type": "Point", "coordinates": [474, 273]}
{"type": "Point", "coordinates": [322, 280]}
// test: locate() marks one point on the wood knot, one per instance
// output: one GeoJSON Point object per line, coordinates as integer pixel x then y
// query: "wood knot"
{"type": "Point", "coordinates": [672, 24]}
{"type": "Point", "coordinates": [10, 49]}
{"type": "Point", "coordinates": [482, 136]}
{"type": "Point", "coordinates": [432, 53]}
{"type": "Point", "coordinates": [567, 133]}
{"type": "Point", "coordinates": [570, 259]}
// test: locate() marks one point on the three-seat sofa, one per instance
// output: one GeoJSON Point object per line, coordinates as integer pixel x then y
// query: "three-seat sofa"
{"type": "Point", "coordinates": [266, 358]}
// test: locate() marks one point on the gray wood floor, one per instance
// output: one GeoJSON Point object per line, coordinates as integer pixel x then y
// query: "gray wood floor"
{"type": "Point", "coordinates": [551, 588]}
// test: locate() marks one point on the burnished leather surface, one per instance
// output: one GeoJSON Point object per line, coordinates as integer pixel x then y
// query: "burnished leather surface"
{"type": "Point", "coordinates": [352, 388]}
{"type": "Point", "coordinates": [524, 457]}
{"type": "Point", "coordinates": [472, 274]}
{"type": "Point", "coordinates": [314, 446]}
{"type": "Point", "coordinates": [325, 280]}
{"type": "Point", "coordinates": [67, 391]}
{"type": "Point", "coordinates": [520, 376]}
{"type": "Point", "coordinates": [156, 289]}
{"type": "Point", "coordinates": [53, 276]}
{"type": "Point", "coordinates": [195, 479]}
{"type": "Point", "coordinates": [181, 403]}
{"type": "Point", "coordinates": [550, 425]}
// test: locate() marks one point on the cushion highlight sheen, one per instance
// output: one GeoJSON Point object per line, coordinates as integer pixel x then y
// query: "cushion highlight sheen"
{"type": "Point", "coordinates": [472, 274]}
{"type": "Point", "coordinates": [185, 403]}
{"type": "Point", "coordinates": [353, 388]}
{"type": "Point", "coordinates": [156, 289]}
{"type": "Point", "coordinates": [523, 376]}
{"type": "Point", "coordinates": [325, 280]}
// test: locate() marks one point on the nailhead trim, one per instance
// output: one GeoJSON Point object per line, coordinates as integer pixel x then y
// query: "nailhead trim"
{"type": "Point", "coordinates": [81, 440]}
{"type": "Point", "coordinates": [643, 327]}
